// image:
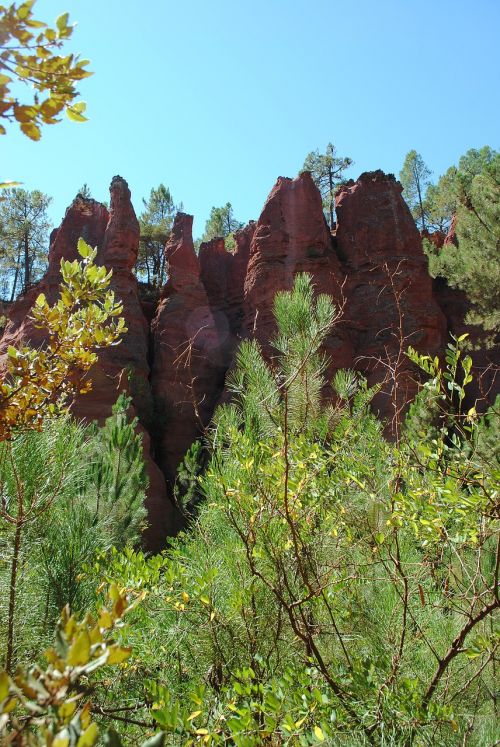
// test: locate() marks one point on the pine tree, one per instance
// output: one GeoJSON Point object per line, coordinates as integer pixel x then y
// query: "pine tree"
{"type": "Point", "coordinates": [155, 222]}
{"type": "Point", "coordinates": [221, 224]}
{"type": "Point", "coordinates": [24, 236]}
{"type": "Point", "coordinates": [327, 170]}
{"type": "Point", "coordinates": [474, 263]}
{"type": "Point", "coordinates": [414, 177]}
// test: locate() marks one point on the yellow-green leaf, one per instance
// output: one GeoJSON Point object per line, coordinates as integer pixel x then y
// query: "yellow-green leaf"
{"type": "Point", "coordinates": [318, 733]}
{"type": "Point", "coordinates": [4, 685]}
{"type": "Point", "coordinates": [79, 652]}
{"type": "Point", "coordinates": [83, 248]}
{"type": "Point", "coordinates": [89, 736]}
{"type": "Point", "coordinates": [67, 709]}
{"type": "Point", "coordinates": [118, 654]}
{"type": "Point", "coordinates": [74, 115]}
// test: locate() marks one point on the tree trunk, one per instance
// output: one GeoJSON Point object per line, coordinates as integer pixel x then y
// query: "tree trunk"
{"type": "Point", "coordinates": [422, 215]}
{"type": "Point", "coordinates": [26, 262]}
{"type": "Point", "coordinates": [13, 590]}
{"type": "Point", "coordinates": [16, 275]}
{"type": "Point", "coordinates": [332, 202]}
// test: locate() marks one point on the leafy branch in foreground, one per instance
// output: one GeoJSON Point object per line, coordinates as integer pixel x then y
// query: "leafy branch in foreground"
{"type": "Point", "coordinates": [42, 381]}
{"type": "Point", "coordinates": [48, 706]}
{"type": "Point", "coordinates": [28, 56]}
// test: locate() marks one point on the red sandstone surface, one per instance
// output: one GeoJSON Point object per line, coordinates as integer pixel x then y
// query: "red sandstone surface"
{"type": "Point", "coordinates": [187, 374]}
{"type": "Point", "coordinates": [390, 303]}
{"type": "Point", "coordinates": [373, 263]}
{"type": "Point", "coordinates": [116, 236]}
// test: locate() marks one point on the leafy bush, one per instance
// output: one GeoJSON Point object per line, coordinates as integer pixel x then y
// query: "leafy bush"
{"type": "Point", "coordinates": [333, 587]}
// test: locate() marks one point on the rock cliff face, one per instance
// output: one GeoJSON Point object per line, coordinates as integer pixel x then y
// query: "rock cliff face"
{"type": "Point", "coordinates": [188, 374]}
{"type": "Point", "coordinates": [390, 303]}
{"type": "Point", "coordinates": [174, 361]}
{"type": "Point", "coordinates": [291, 236]}
{"type": "Point", "coordinates": [116, 236]}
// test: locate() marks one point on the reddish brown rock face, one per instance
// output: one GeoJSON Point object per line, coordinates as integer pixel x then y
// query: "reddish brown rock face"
{"type": "Point", "coordinates": [451, 236]}
{"type": "Point", "coordinates": [187, 372]}
{"type": "Point", "coordinates": [223, 275]}
{"type": "Point", "coordinates": [116, 236]}
{"type": "Point", "coordinates": [291, 236]}
{"type": "Point", "coordinates": [437, 238]}
{"type": "Point", "coordinates": [373, 261]}
{"type": "Point", "coordinates": [390, 304]}
{"type": "Point", "coordinates": [237, 276]}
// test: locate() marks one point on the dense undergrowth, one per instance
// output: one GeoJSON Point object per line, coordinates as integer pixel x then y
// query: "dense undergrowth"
{"type": "Point", "coordinates": [332, 587]}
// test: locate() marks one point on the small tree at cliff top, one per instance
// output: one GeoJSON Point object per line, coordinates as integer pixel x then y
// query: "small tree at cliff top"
{"type": "Point", "coordinates": [156, 224]}
{"type": "Point", "coordinates": [327, 171]}
{"type": "Point", "coordinates": [414, 177]}
{"type": "Point", "coordinates": [222, 223]}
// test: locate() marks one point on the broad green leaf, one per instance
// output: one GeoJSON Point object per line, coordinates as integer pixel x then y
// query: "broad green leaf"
{"type": "Point", "coordinates": [318, 733]}
{"type": "Point", "coordinates": [4, 685]}
{"type": "Point", "coordinates": [79, 652]}
{"type": "Point", "coordinates": [83, 248]}
{"type": "Point", "coordinates": [89, 736]}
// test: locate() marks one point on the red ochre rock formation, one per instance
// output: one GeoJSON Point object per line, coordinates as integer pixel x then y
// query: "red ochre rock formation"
{"type": "Point", "coordinates": [188, 373]}
{"type": "Point", "coordinates": [436, 238]}
{"type": "Point", "coordinates": [291, 236]}
{"type": "Point", "coordinates": [223, 273]}
{"type": "Point", "coordinates": [390, 303]}
{"type": "Point", "coordinates": [372, 264]}
{"type": "Point", "coordinates": [116, 236]}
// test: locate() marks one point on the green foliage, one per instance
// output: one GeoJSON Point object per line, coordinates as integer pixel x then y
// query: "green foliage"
{"type": "Point", "coordinates": [91, 498]}
{"type": "Point", "coordinates": [414, 176]}
{"type": "Point", "coordinates": [28, 56]}
{"type": "Point", "coordinates": [42, 706]}
{"type": "Point", "coordinates": [473, 265]}
{"type": "Point", "coordinates": [186, 490]}
{"type": "Point", "coordinates": [119, 475]}
{"type": "Point", "coordinates": [42, 381]}
{"type": "Point", "coordinates": [24, 236]}
{"type": "Point", "coordinates": [333, 587]}
{"type": "Point", "coordinates": [155, 222]}
{"type": "Point", "coordinates": [222, 224]}
{"type": "Point", "coordinates": [327, 170]}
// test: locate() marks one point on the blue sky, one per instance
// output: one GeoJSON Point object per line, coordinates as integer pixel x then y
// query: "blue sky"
{"type": "Point", "coordinates": [217, 99]}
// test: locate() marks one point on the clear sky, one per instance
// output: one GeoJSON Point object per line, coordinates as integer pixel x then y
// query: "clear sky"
{"type": "Point", "coordinates": [217, 98]}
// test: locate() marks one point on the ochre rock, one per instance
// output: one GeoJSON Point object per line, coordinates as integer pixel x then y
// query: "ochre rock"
{"type": "Point", "coordinates": [451, 236]}
{"type": "Point", "coordinates": [436, 238]}
{"type": "Point", "coordinates": [237, 275]}
{"type": "Point", "coordinates": [390, 304]}
{"type": "Point", "coordinates": [372, 265]}
{"type": "Point", "coordinates": [215, 262]}
{"type": "Point", "coordinates": [122, 367]}
{"type": "Point", "coordinates": [223, 273]}
{"type": "Point", "coordinates": [291, 236]}
{"type": "Point", "coordinates": [187, 374]}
